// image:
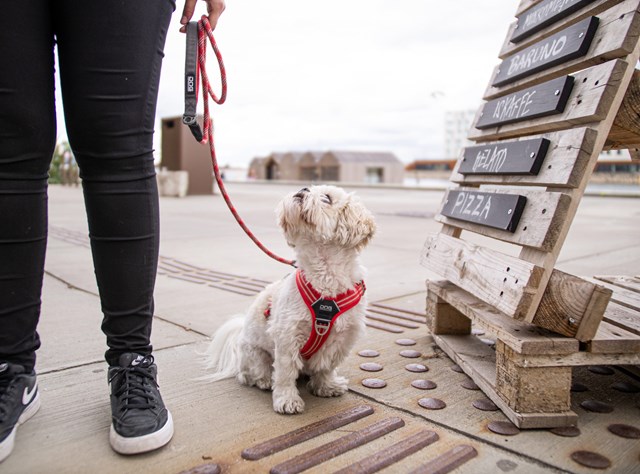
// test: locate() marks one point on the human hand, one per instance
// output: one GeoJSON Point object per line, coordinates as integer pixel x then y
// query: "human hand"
{"type": "Point", "coordinates": [214, 9]}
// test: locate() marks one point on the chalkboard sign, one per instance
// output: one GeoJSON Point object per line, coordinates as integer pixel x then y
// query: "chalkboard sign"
{"type": "Point", "coordinates": [516, 157]}
{"type": "Point", "coordinates": [570, 43]}
{"type": "Point", "coordinates": [500, 211]}
{"type": "Point", "coordinates": [541, 100]}
{"type": "Point", "coordinates": [544, 14]}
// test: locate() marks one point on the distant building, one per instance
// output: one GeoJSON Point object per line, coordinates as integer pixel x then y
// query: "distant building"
{"type": "Point", "coordinates": [330, 166]}
{"type": "Point", "coordinates": [456, 130]}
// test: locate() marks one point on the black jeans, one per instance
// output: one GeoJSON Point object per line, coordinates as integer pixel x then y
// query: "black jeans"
{"type": "Point", "coordinates": [110, 55]}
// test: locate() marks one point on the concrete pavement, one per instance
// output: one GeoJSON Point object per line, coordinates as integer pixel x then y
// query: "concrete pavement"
{"type": "Point", "coordinates": [209, 271]}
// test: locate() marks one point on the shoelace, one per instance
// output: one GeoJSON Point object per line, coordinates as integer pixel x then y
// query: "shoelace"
{"type": "Point", "coordinates": [134, 389]}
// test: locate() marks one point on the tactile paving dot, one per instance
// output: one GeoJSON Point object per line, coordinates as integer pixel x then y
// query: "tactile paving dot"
{"type": "Point", "coordinates": [601, 369]}
{"type": "Point", "coordinates": [424, 384]}
{"type": "Point", "coordinates": [566, 431]}
{"type": "Point", "coordinates": [416, 368]}
{"type": "Point", "coordinates": [405, 342]}
{"type": "Point", "coordinates": [504, 428]}
{"type": "Point", "coordinates": [624, 431]}
{"type": "Point", "coordinates": [485, 405]}
{"type": "Point", "coordinates": [432, 403]}
{"type": "Point", "coordinates": [626, 387]}
{"type": "Point", "coordinates": [578, 387]}
{"type": "Point", "coordinates": [371, 367]}
{"type": "Point", "coordinates": [469, 385]}
{"type": "Point", "coordinates": [596, 406]}
{"type": "Point", "coordinates": [456, 368]}
{"type": "Point", "coordinates": [410, 354]}
{"type": "Point", "coordinates": [591, 459]}
{"type": "Point", "coordinates": [374, 383]}
{"type": "Point", "coordinates": [368, 353]}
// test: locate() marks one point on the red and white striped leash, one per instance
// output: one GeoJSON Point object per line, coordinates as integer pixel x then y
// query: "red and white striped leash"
{"type": "Point", "coordinates": [196, 72]}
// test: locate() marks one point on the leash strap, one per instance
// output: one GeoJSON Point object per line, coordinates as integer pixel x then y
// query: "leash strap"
{"type": "Point", "coordinates": [191, 81]}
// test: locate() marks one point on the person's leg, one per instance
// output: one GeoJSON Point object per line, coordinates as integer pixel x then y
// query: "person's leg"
{"type": "Point", "coordinates": [110, 58]}
{"type": "Point", "coordinates": [27, 139]}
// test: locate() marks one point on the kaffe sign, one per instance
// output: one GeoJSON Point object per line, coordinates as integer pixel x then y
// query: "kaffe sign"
{"type": "Point", "coordinates": [522, 157]}
{"type": "Point", "coordinates": [570, 43]}
{"type": "Point", "coordinates": [544, 14]}
{"type": "Point", "coordinates": [500, 211]}
{"type": "Point", "coordinates": [544, 99]}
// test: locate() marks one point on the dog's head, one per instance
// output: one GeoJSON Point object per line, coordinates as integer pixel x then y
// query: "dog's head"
{"type": "Point", "coordinates": [325, 215]}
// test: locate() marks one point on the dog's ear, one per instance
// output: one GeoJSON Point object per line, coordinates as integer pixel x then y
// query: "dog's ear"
{"type": "Point", "coordinates": [356, 225]}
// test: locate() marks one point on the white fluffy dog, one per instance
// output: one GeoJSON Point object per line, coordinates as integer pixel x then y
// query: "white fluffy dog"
{"type": "Point", "coordinates": [327, 228]}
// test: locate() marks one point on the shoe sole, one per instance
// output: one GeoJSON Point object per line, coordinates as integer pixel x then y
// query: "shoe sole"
{"type": "Point", "coordinates": [7, 445]}
{"type": "Point", "coordinates": [142, 444]}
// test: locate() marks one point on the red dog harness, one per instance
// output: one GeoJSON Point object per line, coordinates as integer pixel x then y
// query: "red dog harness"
{"type": "Point", "coordinates": [324, 311]}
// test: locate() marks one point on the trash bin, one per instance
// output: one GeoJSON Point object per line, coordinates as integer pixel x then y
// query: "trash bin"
{"type": "Point", "coordinates": [181, 152]}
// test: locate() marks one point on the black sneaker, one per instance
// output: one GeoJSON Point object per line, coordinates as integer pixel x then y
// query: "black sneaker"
{"type": "Point", "coordinates": [141, 422]}
{"type": "Point", "coordinates": [19, 401]}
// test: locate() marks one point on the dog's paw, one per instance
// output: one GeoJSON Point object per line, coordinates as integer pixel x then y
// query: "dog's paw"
{"type": "Point", "coordinates": [264, 384]}
{"type": "Point", "coordinates": [331, 388]}
{"type": "Point", "coordinates": [288, 405]}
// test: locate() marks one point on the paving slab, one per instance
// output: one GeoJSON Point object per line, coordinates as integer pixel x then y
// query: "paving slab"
{"type": "Point", "coordinates": [209, 271]}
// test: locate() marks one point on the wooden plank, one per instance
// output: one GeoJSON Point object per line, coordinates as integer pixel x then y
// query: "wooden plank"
{"type": "Point", "coordinates": [615, 38]}
{"type": "Point", "coordinates": [525, 5]}
{"type": "Point", "coordinates": [505, 158]}
{"type": "Point", "coordinates": [505, 282]}
{"type": "Point", "coordinates": [572, 306]}
{"type": "Point", "coordinates": [542, 100]}
{"type": "Point", "coordinates": [497, 210]}
{"type": "Point", "coordinates": [625, 131]}
{"type": "Point", "coordinates": [627, 282]}
{"type": "Point", "coordinates": [478, 362]}
{"type": "Point", "coordinates": [542, 15]}
{"type": "Point", "coordinates": [539, 225]}
{"type": "Point", "coordinates": [564, 163]}
{"type": "Point", "coordinates": [611, 339]}
{"type": "Point", "coordinates": [623, 317]}
{"type": "Point", "coordinates": [594, 8]}
{"type": "Point", "coordinates": [591, 98]}
{"type": "Point", "coordinates": [443, 318]}
{"type": "Point", "coordinates": [569, 43]}
{"type": "Point", "coordinates": [531, 389]}
{"type": "Point", "coordinates": [522, 337]}
{"type": "Point", "coordinates": [627, 298]}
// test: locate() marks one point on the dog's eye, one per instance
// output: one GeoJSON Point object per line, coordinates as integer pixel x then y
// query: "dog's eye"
{"type": "Point", "coordinates": [326, 199]}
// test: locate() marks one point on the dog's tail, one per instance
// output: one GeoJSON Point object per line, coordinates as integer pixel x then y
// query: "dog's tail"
{"type": "Point", "coordinates": [223, 353]}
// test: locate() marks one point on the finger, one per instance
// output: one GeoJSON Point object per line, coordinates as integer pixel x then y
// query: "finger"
{"type": "Point", "coordinates": [187, 12]}
{"type": "Point", "coordinates": [215, 9]}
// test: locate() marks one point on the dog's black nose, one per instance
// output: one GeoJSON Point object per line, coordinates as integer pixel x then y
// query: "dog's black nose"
{"type": "Point", "coordinates": [300, 193]}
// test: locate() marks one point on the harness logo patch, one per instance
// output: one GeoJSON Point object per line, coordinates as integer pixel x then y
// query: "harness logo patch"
{"type": "Point", "coordinates": [325, 310]}
{"type": "Point", "coordinates": [190, 84]}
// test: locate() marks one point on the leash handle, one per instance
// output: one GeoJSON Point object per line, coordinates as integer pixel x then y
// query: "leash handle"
{"type": "Point", "coordinates": [204, 30]}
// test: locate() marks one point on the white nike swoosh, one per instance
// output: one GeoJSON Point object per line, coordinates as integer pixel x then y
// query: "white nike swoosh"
{"type": "Point", "coordinates": [27, 396]}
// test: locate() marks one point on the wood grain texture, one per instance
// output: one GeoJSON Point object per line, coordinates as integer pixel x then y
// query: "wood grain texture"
{"type": "Point", "coordinates": [592, 96]}
{"type": "Point", "coordinates": [572, 306]}
{"type": "Point", "coordinates": [615, 38]}
{"type": "Point", "coordinates": [563, 166]}
{"type": "Point", "coordinates": [625, 131]}
{"type": "Point", "coordinates": [498, 279]}
{"type": "Point", "coordinates": [540, 223]}
{"type": "Point", "coordinates": [623, 317]}
{"type": "Point", "coordinates": [522, 337]}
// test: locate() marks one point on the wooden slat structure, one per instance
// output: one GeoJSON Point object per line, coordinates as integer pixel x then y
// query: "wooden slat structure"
{"type": "Point", "coordinates": [565, 89]}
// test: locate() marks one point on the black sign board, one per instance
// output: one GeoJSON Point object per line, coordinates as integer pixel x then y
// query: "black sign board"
{"type": "Point", "coordinates": [541, 100]}
{"type": "Point", "coordinates": [570, 43]}
{"type": "Point", "coordinates": [516, 157]}
{"type": "Point", "coordinates": [501, 211]}
{"type": "Point", "coordinates": [544, 14]}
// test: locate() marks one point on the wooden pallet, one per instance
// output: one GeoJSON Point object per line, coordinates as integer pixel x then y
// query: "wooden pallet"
{"type": "Point", "coordinates": [551, 106]}
{"type": "Point", "coordinates": [528, 374]}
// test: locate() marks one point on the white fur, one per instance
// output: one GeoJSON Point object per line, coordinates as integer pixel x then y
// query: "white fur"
{"type": "Point", "coordinates": [327, 228]}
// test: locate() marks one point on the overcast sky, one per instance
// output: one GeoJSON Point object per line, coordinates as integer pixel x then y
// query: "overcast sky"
{"type": "Point", "coordinates": [342, 74]}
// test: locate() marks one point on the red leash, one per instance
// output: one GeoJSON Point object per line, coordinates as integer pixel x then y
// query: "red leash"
{"type": "Point", "coordinates": [204, 28]}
